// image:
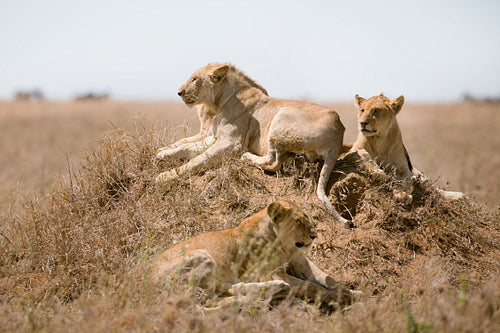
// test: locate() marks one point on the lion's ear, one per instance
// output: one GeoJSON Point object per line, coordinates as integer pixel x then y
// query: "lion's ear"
{"type": "Point", "coordinates": [219, 73]}
{"type": "Point", "coordinates": [275, 210]}
{"type": "Point", "coordinates": [397, 103]}
{"type": "Point", "coordinates": [359, 100]}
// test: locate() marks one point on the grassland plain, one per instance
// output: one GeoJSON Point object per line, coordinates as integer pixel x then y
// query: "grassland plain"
{"type": "Point", "coordinates": [74, 252]}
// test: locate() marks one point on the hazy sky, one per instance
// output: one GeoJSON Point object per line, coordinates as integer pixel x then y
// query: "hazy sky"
{"type": "Point", "coordinates": [321, 50]}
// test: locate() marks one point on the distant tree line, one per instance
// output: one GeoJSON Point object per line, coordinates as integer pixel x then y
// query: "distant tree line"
{"type": "Point", "coordinates": [468, 98]}
{"type": "Point", "coordinates": [92, 97]}
{"type": "Point", "coordinates": [36, 95]}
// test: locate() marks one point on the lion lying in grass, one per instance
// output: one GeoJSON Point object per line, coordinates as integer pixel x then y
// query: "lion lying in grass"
{"type": "Point", "coordinates": [266, 251]}
{"type": "Point", "coordinates": [266, 128]}
{"type": "Point", "coordinates": [380, 136]}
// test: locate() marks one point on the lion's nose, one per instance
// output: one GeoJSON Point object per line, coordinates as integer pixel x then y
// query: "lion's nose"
{"type": "Point", "coordinates": [363, 123]}
{"type": "Point", "coordinates": [180, 92]}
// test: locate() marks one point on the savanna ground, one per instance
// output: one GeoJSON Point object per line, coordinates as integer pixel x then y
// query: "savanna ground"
{"type": "Point", "coordinates": [81, 219]}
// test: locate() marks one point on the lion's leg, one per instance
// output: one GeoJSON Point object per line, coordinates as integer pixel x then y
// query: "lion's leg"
{"type": "Point", "coordinates": [402, 192]}
{"type": "Point", "coordinates": [368, 163]}
{"type": "Point", "coordinates": [213, 152]}
{"type": "Point", "coordinates": [186, 150]}
{"type": "Point", "coordinates": [171, 149]}
{"type": "Point", "coordinates": [183, 141]}
{"type": "Point", "coordinates": [269, 162]}
{"type": "Point", "coordinates": [273, 291]}
{"type": "Point", "coordinates": [196, 268]}
{"type": "Point", "coordinates": [253, 294]}
{"type": "Point", "coordinates": [418, 176]}
{"type": "Point", "coordinates": [206, 117]}
{"type": "Point", "coordinates": [258, 160]}
{"type": "Point", "coordinates": [314, 291]}
{"type": "Point", "coordinates": [324, 176]}
{"type": "Point", "coordinates": [452, 195]}
{"type": "Point", "coordinates": [303, 269]}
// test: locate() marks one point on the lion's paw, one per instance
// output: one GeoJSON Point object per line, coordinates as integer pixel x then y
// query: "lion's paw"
{"type": "Point", "coordinates": [276, 289]}
{"type": "Point", "coordinates": [164, 153]}
{"type": "Point", "coordinates": [247, 157]}
{"type": "Point", "coordinates": [166, 176]}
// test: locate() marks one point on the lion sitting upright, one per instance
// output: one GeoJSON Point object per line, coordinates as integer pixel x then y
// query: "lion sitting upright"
{"type": "Point", "coordinates": [260, 260]}
{"type": "Point", "coordinates": [266, 128]}
{"type": "Point", "coordinates": [380, 136]}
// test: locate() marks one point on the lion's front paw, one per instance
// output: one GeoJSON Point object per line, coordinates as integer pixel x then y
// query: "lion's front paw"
{"type": "Point", "coordinates": [247, 157]}
{"type": "Point", "coordinates": [450, 195]}
{"type": "Point", "coordinates": [402, 197]}
{"type": "Point", "coordinates": [275, 289]}
{"type": "Point", "coordinates": [164, 153]}
{"type": "Point", "coordinates": [166, 176]}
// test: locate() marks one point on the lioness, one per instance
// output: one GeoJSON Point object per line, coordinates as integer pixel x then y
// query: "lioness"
{"type": "Point", "coordinates": [380, 136]}
{"type": "Point", "coordinates": [192, 146]}
{"type": "Point", "coordinates": [267, 128]}
{"type": "Point", "coordinates": [266, 251]}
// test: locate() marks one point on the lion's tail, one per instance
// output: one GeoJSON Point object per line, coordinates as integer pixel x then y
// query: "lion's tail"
{"type": "Point", "coordinates": [326, 170]}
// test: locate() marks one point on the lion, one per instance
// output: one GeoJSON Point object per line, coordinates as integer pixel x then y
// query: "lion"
{"type": "Point", "coordinates": [192, 146]}
{"type": "Point", "coordinates": [266, 128]}
{"type": "Point", "coordinates": [379, 136]}
{"type": "Point", "coordinates": [261, 258]}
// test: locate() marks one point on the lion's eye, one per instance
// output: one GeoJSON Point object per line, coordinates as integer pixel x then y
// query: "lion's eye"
{"type": "Point", "coordinates": [194, 79]}
{"type": "Point", "coordinates": [361, 110]}
{"type": "Point", "coordinates": [376, 111]}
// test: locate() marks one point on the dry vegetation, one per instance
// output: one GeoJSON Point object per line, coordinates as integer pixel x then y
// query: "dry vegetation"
{"type": "Point", "coordinates": [74, 257]}
{"type": "Point", "coordinates": [38, 139]}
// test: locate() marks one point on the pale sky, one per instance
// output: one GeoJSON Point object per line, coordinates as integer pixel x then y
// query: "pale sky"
{"type": "Point", "coordinates": [319, 50]}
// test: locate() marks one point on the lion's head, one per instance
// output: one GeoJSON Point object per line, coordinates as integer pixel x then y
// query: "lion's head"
{"type": "Point", "coordinates": [377, 113]}
{"type": "Point", "coordinates": [200, 87]}
{"type": "Point", "coordinates": [208, 83]}
{"type": "Point", "coordinates": [293, 227]}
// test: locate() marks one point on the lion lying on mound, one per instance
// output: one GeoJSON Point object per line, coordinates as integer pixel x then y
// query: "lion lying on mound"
{"type": "Point", "coordinates": [380, 136]}
{"type": "Point", "coordinates": [267, 128]}
{"type": "Point", "coordinates": [266, 250]}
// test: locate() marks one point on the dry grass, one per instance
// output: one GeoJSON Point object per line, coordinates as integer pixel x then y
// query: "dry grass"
{"type": "Point", "coordinates": [76, 258]}
{"type": "Point", "coordinates": [37, 139]}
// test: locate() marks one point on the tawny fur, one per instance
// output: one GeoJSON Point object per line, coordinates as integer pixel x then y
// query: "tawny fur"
{"type": "Point", "coordinates": [247, 119]}
{"type": "Point", "coordinates": [282, 231]}
{"type": "Point", "coordinates": [191, 146]}
{"type": "Point", "coordinates": [380, 136]}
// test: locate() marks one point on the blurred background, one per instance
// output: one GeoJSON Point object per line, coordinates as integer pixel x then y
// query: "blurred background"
{"type": "Point", "coordinates": [431, 51]}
